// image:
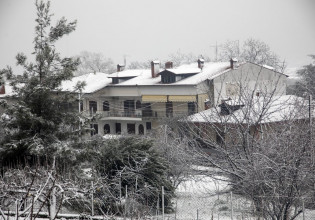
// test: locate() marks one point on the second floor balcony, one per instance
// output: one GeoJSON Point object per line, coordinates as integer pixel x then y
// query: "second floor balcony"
{"type": "Point", "coordinates": [148, 114]}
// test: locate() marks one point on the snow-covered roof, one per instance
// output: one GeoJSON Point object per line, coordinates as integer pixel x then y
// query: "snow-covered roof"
{"type": "Point", "coordinates": [94, 82]}
{"type": "Point", "coordinates": [128, 73]}
{"type": "Point", "coordinates": [258, 109]}
{"type": "Point", "coordinates": [181, 71]}
{"type": "Point", "coordinates": [145, 78]}
{"type": "Point", "coordinates": [268, 67]}
{"type": "Point", "coordinates": [209, 71]}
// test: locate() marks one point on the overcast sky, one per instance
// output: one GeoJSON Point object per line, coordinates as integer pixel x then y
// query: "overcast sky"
{"type": "Point", "coordinates": [147, 29]}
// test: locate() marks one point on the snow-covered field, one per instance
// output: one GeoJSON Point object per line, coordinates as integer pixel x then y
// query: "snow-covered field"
{"type": "Point", "coordinates": [207, 198]}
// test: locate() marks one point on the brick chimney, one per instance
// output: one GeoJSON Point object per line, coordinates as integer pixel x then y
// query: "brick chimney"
{"type": "Point", "coordinates": [2, 89]}
{"type": "Point", "coordinates": [169, 65]}
{"type": "Point", "coordinates": [201, 63]}
{"type": "Point", "coordinates": [155, 68]}
{"type": "Point", "coordinates": [233, 63]}
{"type": "Point", "coordinates": [120, 67]}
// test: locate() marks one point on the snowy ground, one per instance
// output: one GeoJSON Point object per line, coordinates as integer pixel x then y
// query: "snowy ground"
{"type": "Point", "coordinates": [206, 198]}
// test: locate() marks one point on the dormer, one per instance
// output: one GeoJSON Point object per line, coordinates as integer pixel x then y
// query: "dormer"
{"type": "Point", "coordinates": [175, 75]}
{"type": "Point", "coordinates": [228, 106]}
{"type": "Point", "coordinates": [125, 75]}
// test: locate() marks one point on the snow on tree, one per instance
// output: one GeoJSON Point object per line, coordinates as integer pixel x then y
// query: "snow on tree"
{"type": "Point", "coordinates": [306, 85]}
{"type": "Point", "coordinates": [132, 165]}
{"type": "Point", "coordinates": [94, 62]}
{"type": "Point", "coordinates": [252, 50]}
{"type": "Point", "coordinates": [40, 123]}
{"type": "Point", "coordinates": [264, 144]}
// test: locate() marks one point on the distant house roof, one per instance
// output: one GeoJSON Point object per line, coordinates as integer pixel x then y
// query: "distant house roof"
{"type": "Point", "coordinates": [276, 109]}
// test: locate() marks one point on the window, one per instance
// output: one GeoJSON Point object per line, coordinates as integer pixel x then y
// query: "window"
{"type": "Point", "coordinates": [138, 105]}
{"type": "Point", "coordinates": [92, 106]}
{"type": "Point", "coordinates": [115, 80]}
{"type": "Point", "coordinates": [105, 106]}
{"type": "Point", "coordinates": [131, 128]}
{"type": "Point", "coordinates": [191, 108]}
{"type": "Point", "coordinates": [129, 108]}
{"type": "Point", "coordinates": [118, 128]}
{"type": "Point", "coordinates": [169, 109]}
{"type": "Point", "coordinates": [141, 129]}
{"type": "Point", "coordinates": [94, 128]}
{"type": "Point", "coordinates": [148, 125]}
{"type": "Point", "coordinates": [168, 78]}
{"type": "Point", "coordinates": [81, 105]}
{"type": "Point", "coordinates": [106, 129]}
{"type": "Point", "coordinates": [146, 110]}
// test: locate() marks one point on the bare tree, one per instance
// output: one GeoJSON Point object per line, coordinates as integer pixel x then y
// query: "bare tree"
{"type": "Point", "coordinates": [263, 143]}
{"type": "Point", "coordinates": [252, 50]}
{"type": "Point", "coordinates": [178, 58]}
{"type": "Point", "coordinates": [94, 62]}
{"type": "Point", "coordinates": [140, 65]}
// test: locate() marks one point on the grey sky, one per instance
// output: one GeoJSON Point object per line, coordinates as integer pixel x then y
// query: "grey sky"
{"type": "Point", "coordinates": [146, 29]}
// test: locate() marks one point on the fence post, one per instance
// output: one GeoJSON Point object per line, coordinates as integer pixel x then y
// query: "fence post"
{"type": "Point", "coordinates": [17, 209]}
{"type": "Point", "coordinates": [126, 197]}
{"type": "Point", "coordinates": [303, 209]}
{"type": "Point", "coordinates": [231, 205]}
{"type": "Point", "coordinates": [163, 202]}
{"type": "Point", "coordinates": [92, 196]}
{"type": "Point", "coordinates": [197, 214]}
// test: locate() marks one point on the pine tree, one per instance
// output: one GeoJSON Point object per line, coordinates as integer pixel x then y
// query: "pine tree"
{"type": "Point", "coordinates": [38, 123]}
{"type": "Point", "coordinates": [306, 85]}
{"type": "Point", "coordinates": [132, 163]}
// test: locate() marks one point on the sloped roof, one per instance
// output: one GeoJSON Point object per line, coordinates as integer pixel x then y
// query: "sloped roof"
{"type": "Point", "coordinates": [129, 73]}
{"type": "Point", "coordinates": [209, 71]}
{"type": "Point", "coordinates": [259, 109]}
{"type": "Point", "coordinates": [180, 71]}
{"type": "Point", "coordinates": [94, 82]}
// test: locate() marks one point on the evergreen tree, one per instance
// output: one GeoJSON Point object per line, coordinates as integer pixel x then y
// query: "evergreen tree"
{"type": "Point", "coordinates": [306, 85]}
{"type": "Point", "coordinates": [131, 163]}
{"type": "Point", "coordinates": [38, 123]}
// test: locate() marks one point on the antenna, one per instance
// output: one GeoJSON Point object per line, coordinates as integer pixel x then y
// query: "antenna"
{"type": "Point", "coordinates": [216, 50]}
{"type": "Point", "coordinates": [125, 59]}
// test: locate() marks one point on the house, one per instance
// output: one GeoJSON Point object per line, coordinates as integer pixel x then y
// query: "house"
{"type": "Point", "coordinates": [135, 101]}
{"type": "Point", "coordinates": [256, 116]}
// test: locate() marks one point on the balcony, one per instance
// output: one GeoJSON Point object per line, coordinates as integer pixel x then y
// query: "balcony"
{"type": "Point", "coordinates": [147, 114]}
{"type": "Point", "coordinates": [126, 114]}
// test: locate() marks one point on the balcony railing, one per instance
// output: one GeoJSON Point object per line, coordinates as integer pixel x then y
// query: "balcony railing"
{"type": "Point", "coordinates": [140, 114]}
{"type": "Point", "coordinates": [130, 114]}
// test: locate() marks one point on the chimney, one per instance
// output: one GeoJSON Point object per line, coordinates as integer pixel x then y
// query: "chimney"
{"type": "Point", "coordinates": [201, 63]}
{"type": "Point", "coordinates": [2, 89]}
{"type": "Point", "coordinates": [233, 63]}
{"type": "Point", "coordinates": [120, 67]}
{"type": "Point", "coordinates": [169, 65]}
{"type": "Point", "coordinates": [155, 68]}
